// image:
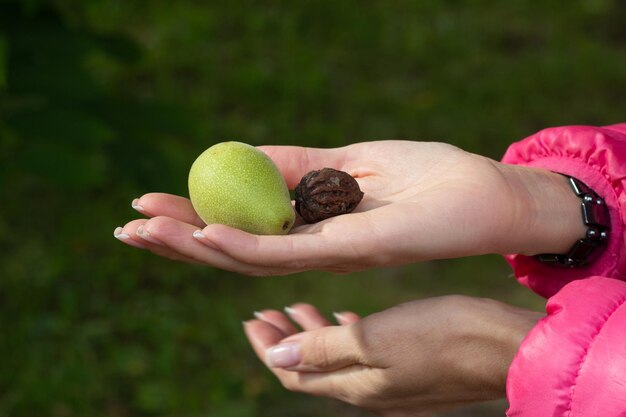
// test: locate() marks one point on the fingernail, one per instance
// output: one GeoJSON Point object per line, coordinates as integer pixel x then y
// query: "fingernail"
{"type": "Point", "coordinates": [340, 318]}
{"type": "Point", "coordinates": [259, 315]}
{"type": "Point", "coordinates": [198, 234]}
{"type": "Point", "coordinates": [283, 356]}
{"type": "Point", "coordinates": [145, 235]}
{"type": "Point", "coordinates": [291, 311]}
{"type": "Point", "coordinates": [117, 233]}
{"type": "Point", "coordinates": [136, 206]}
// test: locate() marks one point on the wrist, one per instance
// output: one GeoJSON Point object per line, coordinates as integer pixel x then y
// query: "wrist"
{"type": "Point", "coordinates": [497, 330]}
{"type": "Point", "coordinates": [513, 332]}
{"type": "Point", "coordinates": [547, 216]}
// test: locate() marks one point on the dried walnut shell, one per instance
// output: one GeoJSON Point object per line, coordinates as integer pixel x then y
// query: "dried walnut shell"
{"type": "Point", "coordinates": [326, 193]}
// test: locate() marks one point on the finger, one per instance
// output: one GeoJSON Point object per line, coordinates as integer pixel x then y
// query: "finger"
{"type": "Point", "coordinates": [321, 350]}
{"type": "Point", "coordinates": [294, 161]}
{"type": "Point", "coordinates": [339, 383]}
{"type": "Point", "coordinates": [339, 244]}
{"type": "Point", "coordinates": [128, 234]}
{"type": "Point", "coordinates": [169, 205]}
{"type": "Point", "coordinates": [335, 384]}
{"type": "Point", "coordinates": [307, 316]}
{"type": "Point", "coordinates": [124, 236]}
{"type": "Point", "coordinates": [278, 320]}
{"type": "Point", "coordinates": [264, 250]}
{"type": "Point", "coordinates": [346, 317]}
{"type": "Point", "coordinates": [294, 252]}
{"type": "Point", "coordinates": [179, 237]}
{"type": "Point", "coordinates": [263, 335]}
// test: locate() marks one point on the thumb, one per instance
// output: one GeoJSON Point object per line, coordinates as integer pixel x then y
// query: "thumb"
{"type": "Point", "coordinates": [294, 162]}
{"type": "Point", "coordinates": [324, 349]}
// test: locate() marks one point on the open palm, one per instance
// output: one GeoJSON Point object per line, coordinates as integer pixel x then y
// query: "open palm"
{"type": "Point", "coordinates": [423, 200]}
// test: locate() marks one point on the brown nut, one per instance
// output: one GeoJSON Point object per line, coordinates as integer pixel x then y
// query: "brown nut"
{"type": "Point", "coordinates": [326, 193]}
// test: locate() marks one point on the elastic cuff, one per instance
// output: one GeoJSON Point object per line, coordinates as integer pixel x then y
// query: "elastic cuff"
{"type": "Point", "coordinates": [573, 362]}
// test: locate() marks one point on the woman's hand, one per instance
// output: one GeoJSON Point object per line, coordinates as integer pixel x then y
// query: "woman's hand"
{"type": "Point", "coordinates": [422, 200]}
{"type": "Point", "coordinates": [410, 360]}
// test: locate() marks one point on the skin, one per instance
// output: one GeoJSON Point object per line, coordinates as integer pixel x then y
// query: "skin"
{"type": "Point", "coordinates": [423, 200]}
{"type": "Point", "coordinates": [414, 359]}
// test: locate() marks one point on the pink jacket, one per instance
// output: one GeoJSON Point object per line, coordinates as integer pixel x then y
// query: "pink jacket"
{"type": "Point", "coordinates": [573, 363]}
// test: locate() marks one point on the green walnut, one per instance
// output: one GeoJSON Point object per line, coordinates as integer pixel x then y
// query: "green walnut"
{"type": "Point", "coordinates": [235, 184]}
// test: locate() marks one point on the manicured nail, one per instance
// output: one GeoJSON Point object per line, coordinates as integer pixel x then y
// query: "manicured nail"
{"type": "Point", "coordinates": [339, 317]}
{"type": "Point", "coordinates": [136, 206]}
{"type": "Point", "coordinates": [145, 235]}
{"type": "Point", "coordinates": [198, 234]}
{"type": "Point", "coordinates": [291, 311]}
{"type": "Point", "coordinates": [259, 315]}
{"type": "Point", "coordinates": [283, 356]}
{"type": "Point", "coordinates": [117, 233]}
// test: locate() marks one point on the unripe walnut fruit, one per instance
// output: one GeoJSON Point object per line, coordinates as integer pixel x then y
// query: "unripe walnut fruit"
{"type": "Point", "coordinates": [326, 193]}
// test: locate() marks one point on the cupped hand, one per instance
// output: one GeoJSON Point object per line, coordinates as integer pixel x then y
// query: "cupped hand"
{"type": "Point", "coordinates": [410, 360]}
{"type": "Point", "coordinates": [423, 200]}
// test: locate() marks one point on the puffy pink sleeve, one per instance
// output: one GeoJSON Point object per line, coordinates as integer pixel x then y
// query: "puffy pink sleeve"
{"type": "Point", "coordinates": [573, 363]}
{"type": "Point", "coordinates": [597, 157]}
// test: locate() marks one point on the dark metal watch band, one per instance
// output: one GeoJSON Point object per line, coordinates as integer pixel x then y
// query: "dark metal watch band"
{"type": "Point", "coordinates": [596, 218]}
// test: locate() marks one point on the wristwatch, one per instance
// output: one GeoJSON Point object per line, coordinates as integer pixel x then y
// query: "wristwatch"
{"type": "Point", "coordinates": [596, 218]}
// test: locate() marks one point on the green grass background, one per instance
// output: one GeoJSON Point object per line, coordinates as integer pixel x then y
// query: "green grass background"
{"type": "Point", "coordinates": [102, 101]}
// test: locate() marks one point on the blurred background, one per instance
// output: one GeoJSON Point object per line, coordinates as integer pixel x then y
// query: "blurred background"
{"type": "Point", "coordinates": [102, 101]}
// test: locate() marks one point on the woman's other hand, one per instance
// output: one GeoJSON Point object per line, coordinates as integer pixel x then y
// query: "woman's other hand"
{"type": "Point", "coordinates": [413, 359]}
